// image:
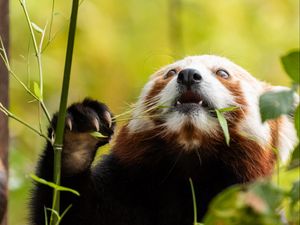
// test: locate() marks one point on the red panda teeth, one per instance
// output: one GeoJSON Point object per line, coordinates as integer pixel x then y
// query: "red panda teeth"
{"type": "Point", "coordinates": [200, 103]}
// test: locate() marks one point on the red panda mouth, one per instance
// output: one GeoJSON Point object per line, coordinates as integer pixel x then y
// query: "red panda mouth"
{"type": "Point", "coordinates": [190, 97]}
{"type": "Point", "coordinates": [190, 101]}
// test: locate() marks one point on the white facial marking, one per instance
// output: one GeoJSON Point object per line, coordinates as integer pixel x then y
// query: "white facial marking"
{"type": "Point", "coordinates": [215, 93]}
{"type": "Point", "coordinates": [252, 127]}
{"type": "Point", "coordinates": [211, 89]}
{"type": "Point", "coordinates": [138, 121]}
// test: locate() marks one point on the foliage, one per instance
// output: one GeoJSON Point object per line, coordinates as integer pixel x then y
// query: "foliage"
{"type": "Point", "coordinates": [223, 122]}
{"type": "Point", "coordinates": [273, 104]}
{"type": "Point", "coordinates": [291, 63]}
{"type": "Point", "coordinates": [254, 204]}
{"type": "Point", "coordinates": [37, 94]}
{"type": "Point", "coordinates": [53, 185]}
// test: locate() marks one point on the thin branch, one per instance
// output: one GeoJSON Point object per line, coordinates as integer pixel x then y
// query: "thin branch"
{"type": "Point", "coordinates": [51, 21]}
{"type": "Point", "coordinates": [4, 58]}
{"type": "Point", "coordinates": [35, 45]}
{"type": "Point", "coordinates": [12, 116]}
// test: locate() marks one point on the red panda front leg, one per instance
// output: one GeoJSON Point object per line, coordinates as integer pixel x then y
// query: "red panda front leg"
{"type": "Point", "coordinates": [79, 144]}
{"type": "Point", "coordinates": [79, 149]}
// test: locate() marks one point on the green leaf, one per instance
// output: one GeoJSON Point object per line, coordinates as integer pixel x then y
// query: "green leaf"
{"type": "Point", "coordinates": [54, 212]}
{"type": "Point", "coordinates": [271, 194]}
{"type": "Point", "coordinates": [273, 104]}
{"type": "Point", "coordinates": [297, 120]}
{"type": "Point", "coordinates": [53, 185]}
{"type": "Point", "coordinates": [37, 91]}
{"type": "Point", "coordinates": [224, 206]}
{"type": "Point", "coordinates": [295, 158]}
{"type": "Point", "coordinates": [98, 135]}
{"type": "Point", "coordinates": [224, 126]}
{"type": "Point", "coordinates": [295, 192]}
{"type": "Point", "coordinates": [45, 215]}
{"type": "Point", "coordinates": [37, 28]}
{"type": "Point", "coordinates": [65, 212]}
{"type": "Point", "coordinates": [228, 109]}
{"type": "Point", "coordinates": [290, 64]}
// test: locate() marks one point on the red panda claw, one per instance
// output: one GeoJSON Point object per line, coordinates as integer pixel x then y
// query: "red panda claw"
{"type": "Point", "coordinates": [108, 119]}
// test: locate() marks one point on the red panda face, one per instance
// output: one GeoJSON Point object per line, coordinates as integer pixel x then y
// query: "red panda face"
{"type": "Point", "coordinates": [180, 101]}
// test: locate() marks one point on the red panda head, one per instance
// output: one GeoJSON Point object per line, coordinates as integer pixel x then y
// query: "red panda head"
{"type": "Point", "coordinates": [180, 100]}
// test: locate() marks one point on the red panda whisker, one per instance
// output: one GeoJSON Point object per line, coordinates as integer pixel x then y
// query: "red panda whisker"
{"type": "Point", "coordinates": [172, 167]}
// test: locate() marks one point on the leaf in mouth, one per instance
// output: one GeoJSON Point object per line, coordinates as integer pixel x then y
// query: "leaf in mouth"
{"type": "Point", "coordinates": [223, 123]}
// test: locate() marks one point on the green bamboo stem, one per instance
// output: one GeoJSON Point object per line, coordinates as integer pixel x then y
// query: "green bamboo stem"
{"type": "Point", "coordinates": [58, 143]}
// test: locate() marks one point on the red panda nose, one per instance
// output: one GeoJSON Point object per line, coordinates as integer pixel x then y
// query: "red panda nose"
{"type": "Point", "coordinates": [189, 77]}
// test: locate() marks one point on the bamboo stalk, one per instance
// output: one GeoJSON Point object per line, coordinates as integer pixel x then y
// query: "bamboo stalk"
{"type": "Point", "coordinates": [58, 143]}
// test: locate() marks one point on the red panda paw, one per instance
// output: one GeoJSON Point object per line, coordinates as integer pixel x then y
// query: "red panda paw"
{"type": "Point", "coordinates": [89, 125]}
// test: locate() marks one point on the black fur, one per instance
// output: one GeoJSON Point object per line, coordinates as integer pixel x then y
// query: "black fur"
{"type": "Point", "coordinates": [156, 192]}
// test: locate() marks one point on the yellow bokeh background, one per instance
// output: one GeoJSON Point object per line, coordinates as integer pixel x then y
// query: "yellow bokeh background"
{"type": "Point", "coordinates": [120, 43]}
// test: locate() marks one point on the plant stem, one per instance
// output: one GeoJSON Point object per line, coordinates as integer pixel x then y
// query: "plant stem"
{"type": "Point", "coordinates": [38, 54]}
{"type": "Point", "coordinates": [194, 201]}
{"type": "Point", "coordinates": [12, 116]}
{"type": "Point", "coordinates": [58, 143]}
{"type": "Point", "coordinates": [51, 20]}
{"type": "Point", "coordinates": [36, 49]}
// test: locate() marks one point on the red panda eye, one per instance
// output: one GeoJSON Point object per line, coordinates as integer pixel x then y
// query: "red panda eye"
{"type": "Point", "coordinates": [223, 73]}
{"type": "Point", "coordinates": [170, 73]}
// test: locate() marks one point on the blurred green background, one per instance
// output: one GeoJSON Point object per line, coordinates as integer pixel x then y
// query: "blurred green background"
{"type": "Point", "coordinates": [120, 43]}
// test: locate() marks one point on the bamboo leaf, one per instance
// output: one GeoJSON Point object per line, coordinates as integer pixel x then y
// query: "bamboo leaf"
{"type": "Point", "coordinates": [64, 213]}
{"type": "Point", "coordinates": [53, 185]}
{"type": "Point", "coordinates": [273, 104]}
{"type": "Point", "coordinates": [290, 64]}
{"type": "Point", "coordinates": [295, 158]}
{"type": "Point", "coordinates": [37, 28]}
{"type": "Point", "coordinates": [224, 126]}
{"type": "Point", "coordinates": [37, 91]}
{"type": "Point", "coordinates": [98, 135]}
{"type": "Point", "coordinates": [54, 212]}
{"type": "Point", "coordinates": [228, 109]}
{"type": "Point", "coordinates": [297, 121]}
{"type": "Point", "coordinates": [46, 216]}
{"type": "Point", "coordinates": [295, 193]}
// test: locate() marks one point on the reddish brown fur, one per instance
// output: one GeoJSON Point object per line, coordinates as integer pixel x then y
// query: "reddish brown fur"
{"type": "Point", "coordinates": [274, 126]}
{"type": "Point", "coordinates": [159, 85]}
{"type": "Point", "coordinates": [124, 147]}
{"type": "Point", "coordinates": [157, 88]}
{"type": "Point", "coordinates": [246, 157]}
{"type": "Point", "coordinates": [235, 89]}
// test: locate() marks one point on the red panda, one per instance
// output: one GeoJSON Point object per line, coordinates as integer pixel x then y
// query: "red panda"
{"type": "Point", "coordinates": [172, 135]}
